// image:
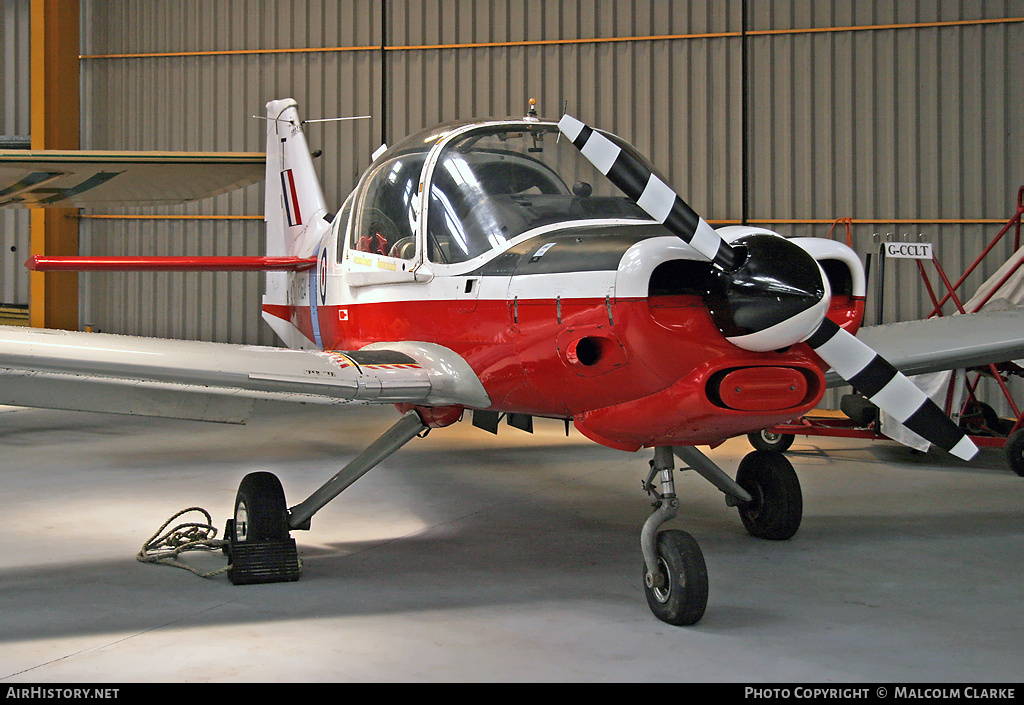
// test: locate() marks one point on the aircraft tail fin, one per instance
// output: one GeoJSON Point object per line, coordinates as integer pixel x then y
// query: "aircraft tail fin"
{"type": "Point", "coordinates": [294, 201]}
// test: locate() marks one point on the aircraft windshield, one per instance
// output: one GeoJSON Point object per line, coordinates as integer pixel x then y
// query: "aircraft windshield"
{"type": "Point", "coordinates": [495, 183]}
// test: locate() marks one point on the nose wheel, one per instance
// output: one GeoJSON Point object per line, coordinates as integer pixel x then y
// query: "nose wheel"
{"type": "Point", "coordinates": [682, 594]}
{"type": "Point", "coordinates": [767, 493]}
{"type": "Point", "coordinates": [675, 575]}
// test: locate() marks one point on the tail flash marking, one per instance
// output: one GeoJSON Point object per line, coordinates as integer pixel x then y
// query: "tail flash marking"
{"type": "Point", "coordinates": [291, 198]}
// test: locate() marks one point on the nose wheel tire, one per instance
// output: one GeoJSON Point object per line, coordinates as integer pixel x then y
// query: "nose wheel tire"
{"type": "Point", "coordinates": [260, 511]}
{"type": "Point", "coordinates": [777, 506]}
{"type": "Point", "coordinates": [768, 440]}
{"type": "Point", "coordinates": [681, 598]}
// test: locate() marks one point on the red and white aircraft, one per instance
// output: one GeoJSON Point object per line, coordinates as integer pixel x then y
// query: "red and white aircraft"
{"type": "Point", "coordinates": [496, 267]}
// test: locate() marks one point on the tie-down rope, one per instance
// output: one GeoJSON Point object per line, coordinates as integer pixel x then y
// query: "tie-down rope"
{"type": "Point", "coordinates": [166, 548]}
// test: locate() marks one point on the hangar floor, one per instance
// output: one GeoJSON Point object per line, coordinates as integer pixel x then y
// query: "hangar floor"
{"type": "Point", "coordinates": [469, 557]}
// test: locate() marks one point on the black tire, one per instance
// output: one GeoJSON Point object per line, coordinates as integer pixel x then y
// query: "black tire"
{"type": "Point", "coordinates": [260, 511]}
{"type": "Point", "coordinates": [980, 419]}
{"type": "Point", "coordinates": [1015, 451]}
{"type": "Point", "coordinates": [858, 409]}
{"type": "Point", "coordinates": [777, 506]}
{"type": "Point", "coordinates": [768, 440]}
{"type": "Point", "coordinates": [683, 599]}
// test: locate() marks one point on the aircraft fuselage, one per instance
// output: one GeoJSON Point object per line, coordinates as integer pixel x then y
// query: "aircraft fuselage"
{"type": "Point", "coordinates": [567, 301]}
{"type": "Point", "coordinates": [628, 364]}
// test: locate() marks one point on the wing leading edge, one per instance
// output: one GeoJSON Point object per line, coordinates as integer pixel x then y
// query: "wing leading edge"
{"type": "Point", "coordinates": [219, 381]}
{"type": "Point", "coordinates": [952, 342]}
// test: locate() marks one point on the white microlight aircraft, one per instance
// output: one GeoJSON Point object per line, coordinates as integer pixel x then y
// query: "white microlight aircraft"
{"type": "Point", "coordinates": [496, 267]}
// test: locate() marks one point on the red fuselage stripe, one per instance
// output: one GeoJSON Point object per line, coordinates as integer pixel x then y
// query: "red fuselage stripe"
{"type": "Point", "coordinates": [531, 361]}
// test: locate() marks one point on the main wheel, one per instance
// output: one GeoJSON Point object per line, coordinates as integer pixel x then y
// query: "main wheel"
{"type": "Point", "coordinates": [979, 419]}
{"type": "Point", "coordinates": [777, 506]}
{"type": "Point", "coordinates": [858, 409]}
{"type": "Point", "coordinates": [768, 440]}
{"type": "Point", "coordinates": [681, 601]}
{"type": "Point", "coordinates": [1015, 451]}
{"type": "Point", "coordinates": [260, 511]}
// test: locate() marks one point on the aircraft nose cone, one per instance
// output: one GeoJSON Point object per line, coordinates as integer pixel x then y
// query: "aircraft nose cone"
{"type": "Point", "coordinates": [776, 297]}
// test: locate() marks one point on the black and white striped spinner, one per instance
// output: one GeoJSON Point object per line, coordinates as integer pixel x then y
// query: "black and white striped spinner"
{"type": "Point", "coordinates": [888, 389]}
{"type": "Point", "coordinates": [637, 179]}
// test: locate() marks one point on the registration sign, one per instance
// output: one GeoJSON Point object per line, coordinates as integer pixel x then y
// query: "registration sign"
{"type": "Point", "coordinates": [909, 250]}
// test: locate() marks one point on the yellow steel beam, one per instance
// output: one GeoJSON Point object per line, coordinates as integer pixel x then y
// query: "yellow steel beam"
{"type": "Point", "coordinates": [53, 298]}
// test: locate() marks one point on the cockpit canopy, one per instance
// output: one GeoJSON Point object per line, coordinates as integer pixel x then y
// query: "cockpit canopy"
{"type": "Point", "coordinates": [486, 185]}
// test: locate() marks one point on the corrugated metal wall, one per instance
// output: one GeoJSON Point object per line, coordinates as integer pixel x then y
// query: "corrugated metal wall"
{"type": "Point", "coordinates": [894, 123]}
{"type": "Point", "coordinates": [853, 111]}
{"type": "Point", "coordinates": [677, 100]}
{"type": "Point", "coordinates": [206, 102]}
{"type": "Point", "coordinates": [889, 123]}
{"type": "Point", "coordinates": [14, 121]}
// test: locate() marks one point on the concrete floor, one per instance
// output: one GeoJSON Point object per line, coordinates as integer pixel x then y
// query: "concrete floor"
{"type": "Point", "coordinates": [470, 557]}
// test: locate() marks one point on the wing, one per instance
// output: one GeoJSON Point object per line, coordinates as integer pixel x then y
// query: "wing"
{"type": "Point", "coordinates": [79, 179]}
{"type": "Point", "coordinates": [219, 381]}
{"type": "Point", "coordinates": [952, 342]}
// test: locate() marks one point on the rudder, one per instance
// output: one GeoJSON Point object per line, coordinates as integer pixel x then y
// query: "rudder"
{"type": "Point", "coordinates": [295, 215]}
{"type": "Point", "coordinates": [294, 206]}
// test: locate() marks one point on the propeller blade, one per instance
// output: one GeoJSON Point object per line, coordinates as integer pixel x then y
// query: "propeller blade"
{"type": "Point", "coordinates": [762, 299]}
{"type": "Point", "coordinates": [625, 168]}
{"type": "Point", "coordinates": [888, 389]}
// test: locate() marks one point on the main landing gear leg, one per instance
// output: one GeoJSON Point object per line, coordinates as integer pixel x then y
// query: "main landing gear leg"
{"type": "Point", "coordinates": [261, 549]}
{"type": "Point", "coordinates": [675, 576]}
{"type": "Point", "coordinates": [766, 490]}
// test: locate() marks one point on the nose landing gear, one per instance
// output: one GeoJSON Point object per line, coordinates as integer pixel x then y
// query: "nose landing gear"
{"type": "Point", "coordinates": [675, 575]}
{"type": "Point", "coordinates": [766, 492]}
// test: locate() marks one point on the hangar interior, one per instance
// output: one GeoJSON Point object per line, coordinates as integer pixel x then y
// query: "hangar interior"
{"type": "Point", "coordinates": [517, 561]}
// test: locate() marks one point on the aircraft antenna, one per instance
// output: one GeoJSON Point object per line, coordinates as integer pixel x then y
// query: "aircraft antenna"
{"type": "Point", "coordinates": [353, 117]}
